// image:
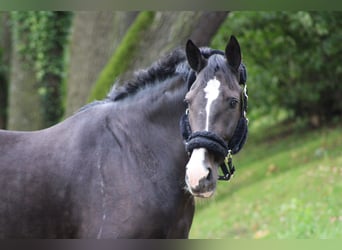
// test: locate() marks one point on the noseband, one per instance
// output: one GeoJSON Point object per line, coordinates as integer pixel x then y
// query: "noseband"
{"type": "Point", "coordinates": [210, 140]}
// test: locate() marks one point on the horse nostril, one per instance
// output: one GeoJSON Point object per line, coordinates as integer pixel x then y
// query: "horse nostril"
{"type": "Point", "coordinates": [209, 176]}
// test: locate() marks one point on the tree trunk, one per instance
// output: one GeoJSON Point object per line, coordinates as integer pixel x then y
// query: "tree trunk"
{"type": "Point", "coordinates": [5, 48]}
{"type": "Point", "coordinates": [94, 38]}
{"type": "Point", "coordinates": [38, 42]}
{"type": "Point", "coordinates": [207, 26]}
{"type": "Point", "coordinates": [172, 29]}
{"type": "Point", "coordinates": [161, 34]}
{"type": "Point", "coordinates": [25, 109]}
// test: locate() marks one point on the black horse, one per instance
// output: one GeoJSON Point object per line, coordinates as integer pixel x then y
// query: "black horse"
{"type": "Point", "coordinates": [119, 168]}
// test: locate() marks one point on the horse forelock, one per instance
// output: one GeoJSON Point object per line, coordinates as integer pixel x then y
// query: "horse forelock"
{"type": "Point", "coordinates": [208, 52]}
{"type": "Point", "coordinates": [217, 62]}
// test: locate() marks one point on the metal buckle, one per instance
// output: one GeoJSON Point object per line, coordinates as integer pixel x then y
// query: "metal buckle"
{"type": "Point", "coordinates": [227, 167]}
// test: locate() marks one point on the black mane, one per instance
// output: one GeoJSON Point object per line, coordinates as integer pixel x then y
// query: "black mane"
{"type": "Point", "coordinates": [159, 71]}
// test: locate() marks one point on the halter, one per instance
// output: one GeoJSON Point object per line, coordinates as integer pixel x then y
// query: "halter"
{"type": "Point", "coordinates": [213, 142]}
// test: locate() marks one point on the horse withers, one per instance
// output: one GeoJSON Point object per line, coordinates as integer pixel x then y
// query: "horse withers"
{"type": "Point", "coordinates": [120, 167]}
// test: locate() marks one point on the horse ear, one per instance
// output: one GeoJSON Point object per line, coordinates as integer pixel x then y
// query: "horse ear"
{"type": "Point", "coordinates": [233, 53]}
{"type": "Point", "coordinates": [194, 56]}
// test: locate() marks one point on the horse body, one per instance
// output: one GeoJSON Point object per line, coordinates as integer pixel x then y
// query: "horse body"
{"type": "Point", "coordinates": [70, 180]}
{"type": "Point", "coordinates": [119, 168]}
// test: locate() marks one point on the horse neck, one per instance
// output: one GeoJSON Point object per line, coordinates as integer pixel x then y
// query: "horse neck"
{"type": "Point", "coordinates": [153, 114]}
{"type": "Point", "coordinates": [150, 119]}
{"type": "Point", "coordinates": [166, 105]}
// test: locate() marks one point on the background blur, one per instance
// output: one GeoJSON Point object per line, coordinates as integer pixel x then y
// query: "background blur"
{"type": "Point", "coordinates": [288, 179]}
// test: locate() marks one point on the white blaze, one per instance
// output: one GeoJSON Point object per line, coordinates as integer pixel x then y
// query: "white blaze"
{"type": "Point", "coordinates": [196, 168]}
{"type": "Point", "coordinates": [211, 93]}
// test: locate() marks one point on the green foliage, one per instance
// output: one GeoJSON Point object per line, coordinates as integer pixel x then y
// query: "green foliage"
{"type": "Point", "coordinates": [3, 90]}
{"type": "Point", "coordinates": [293, 60]}
{"type": "Point", "coordinates": [122, 56]}
{"type": "Point", "coordinates": [4, 68]}
{"type": "Point", "coordinates": [41, 38]}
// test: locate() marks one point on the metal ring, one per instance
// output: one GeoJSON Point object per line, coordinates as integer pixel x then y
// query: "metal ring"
{"type": "Point", "coordinates": [187, 111]}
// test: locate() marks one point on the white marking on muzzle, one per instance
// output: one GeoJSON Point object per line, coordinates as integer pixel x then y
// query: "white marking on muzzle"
{"type": "Point", "coordinates": [211, 93]}
{"type": "Point", "coordinates": [196, 169]}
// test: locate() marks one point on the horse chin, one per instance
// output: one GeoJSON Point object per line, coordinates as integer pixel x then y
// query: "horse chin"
{"type": "Point", "coordinates": [204, 192]}
{"type": "Point", "coordinates": [204, 195]}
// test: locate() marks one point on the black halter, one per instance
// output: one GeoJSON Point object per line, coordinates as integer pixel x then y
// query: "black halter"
{"type": "Point", "coordinates": [211, 141]}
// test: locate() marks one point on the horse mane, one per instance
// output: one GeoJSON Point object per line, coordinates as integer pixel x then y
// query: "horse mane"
{"type": "Point", "coordinates": [169, 65]}
{"type": "Point", "coordinates": [157, 72]}
{"type": "Point", "coordinates": [165, 67]}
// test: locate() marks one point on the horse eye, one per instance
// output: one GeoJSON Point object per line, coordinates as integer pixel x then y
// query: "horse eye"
{"type": "Point", "coordinates": [186, 101]}
{"type": "Point", "coordinates": [233, 104]}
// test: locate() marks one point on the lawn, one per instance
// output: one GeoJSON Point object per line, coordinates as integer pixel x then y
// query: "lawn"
{"type": "Point", "coordinates": [288, 185]}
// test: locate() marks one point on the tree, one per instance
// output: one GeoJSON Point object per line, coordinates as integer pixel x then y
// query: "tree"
{"type": "Point", "coordinates": [25, 110]}
{"type": "Point", "coordinates": [38, 64]}
{"type": "Point", "coordinates": [94, 38]}
{"type": "Point", "coordinates": [37, 67]}
{"type": "Point", "coordinates": [293, 61]}
{"type": "Point", "coordinates": [5, 48]}
{"type": "Point", "coordinates": [152, 35]}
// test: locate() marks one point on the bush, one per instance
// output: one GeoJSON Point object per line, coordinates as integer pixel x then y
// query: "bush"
{"type": "Point", "coordinates": [293, 61]}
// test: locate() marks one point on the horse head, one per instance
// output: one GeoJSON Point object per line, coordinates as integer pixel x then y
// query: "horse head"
{"type": "Point", "coordinates": [215, 114]}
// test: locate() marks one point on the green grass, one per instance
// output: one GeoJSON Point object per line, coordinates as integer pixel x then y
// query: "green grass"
{"type": "Point", "coordinates": [288, 184]}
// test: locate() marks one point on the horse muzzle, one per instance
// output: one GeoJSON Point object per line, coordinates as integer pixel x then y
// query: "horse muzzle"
{"type": "Point", "coordinates": [201, 174]}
